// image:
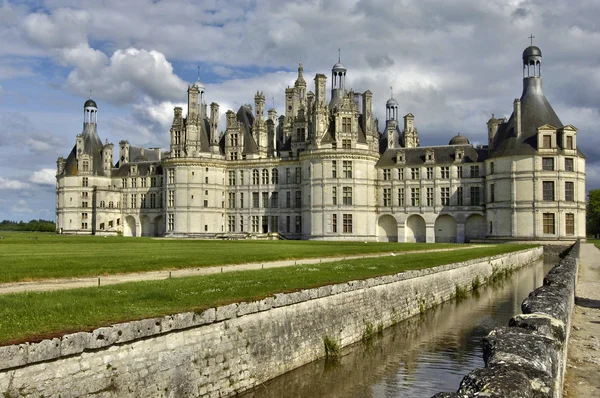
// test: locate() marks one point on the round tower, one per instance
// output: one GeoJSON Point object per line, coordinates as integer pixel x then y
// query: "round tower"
{"type": "Point", "coordinates": [391, 109]}
{"type": "Point", "coordinates": [532, 62]}
{"type": "Point", "coordinates": [338, 76]}
{"type": "Point", "coordinates": [90, 112]}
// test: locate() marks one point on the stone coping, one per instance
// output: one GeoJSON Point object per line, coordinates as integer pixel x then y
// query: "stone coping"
{"type": "Point", "coordinates": [19, 355]}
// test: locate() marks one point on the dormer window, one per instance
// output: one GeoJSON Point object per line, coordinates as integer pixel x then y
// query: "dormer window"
{"type": "Point", "coordinates": [546, 141]}
{"type": "Point", "coordinates": [400, 157]}
{"type": "Point", "coordinates": [429, 156]}
{"type": "Point", "coordinates": [569, 142]}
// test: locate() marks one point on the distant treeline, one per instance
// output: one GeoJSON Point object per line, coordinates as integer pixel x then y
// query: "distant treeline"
{"type": "Point", "coordinates": [33, 225]}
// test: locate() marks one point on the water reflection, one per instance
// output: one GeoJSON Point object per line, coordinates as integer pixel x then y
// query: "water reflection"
{"type": "Point", "coordinates": [418, 357]}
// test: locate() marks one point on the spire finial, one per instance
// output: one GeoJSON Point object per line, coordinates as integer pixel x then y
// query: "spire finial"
{"type": "Point", "coordinates": [531, 37]}
{"type": "Point", "coordinates": [90, 93]}
{"type": "Point", "coordinates": [198, 72]}
{"type": "Point", "coordinates": [392, 92]}
{"type": "Point", "coordinates": [339, 55]}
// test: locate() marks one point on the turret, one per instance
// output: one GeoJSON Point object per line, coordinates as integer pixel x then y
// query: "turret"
{"type": "Point", "coordinates": [214, 127]}
{"type": "Point", "coordinates": [107, 158]}
{"type": "Point", "coordinates": [271, 127]}
{"type": "Point", "coordinates": [300, 84]}
{"type": "Point", "coordinates": [411, 137]}
{"type": "Point", "coordinates": [367, 110]}
{"type": "Point", "coordinates": [193, 92]}
{"type": "Point", "coordinates": [492, 126]}
{"type": "Point", "coordinates": [320, 83]}
{"type": "Point", "coordinates": [338, 83]}
{"type": "Point", "coordinates": [123, 152]}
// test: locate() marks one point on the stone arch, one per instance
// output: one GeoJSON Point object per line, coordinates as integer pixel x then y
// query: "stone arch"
{"type": "Point", "coordinates": [129, 226]}
{"type": "Point", "coordinates": [445, 229]}
{"type": "Point", "coordinates": [475, 227]}
{"type": "Point", "coordinates": [387, 230]}
{"type": "Point", "coordinates": [415, 229]}
{"type": "Point", "coordinates": [145, 226]}
{"type": "Point", "coordinates": [158, 226]}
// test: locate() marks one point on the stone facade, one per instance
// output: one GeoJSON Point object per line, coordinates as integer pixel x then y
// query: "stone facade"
{"type": "Point", "coordinates": [322, 170]}
{"type": "Point", "coordinates": [225, 350]}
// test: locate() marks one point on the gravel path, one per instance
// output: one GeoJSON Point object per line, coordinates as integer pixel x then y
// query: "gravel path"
{"type": "Point", "coordinates": [583, 366]}
{"type": "Point", "coordinates": [72, 283]}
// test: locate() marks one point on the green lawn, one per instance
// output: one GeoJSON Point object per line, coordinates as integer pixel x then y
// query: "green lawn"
{"type": "Point", "coordinates": [595, 242]}
{"type": "Point", "coordinates": [28, 316]}
{"type": "Point", "coordinates": [30, 256]}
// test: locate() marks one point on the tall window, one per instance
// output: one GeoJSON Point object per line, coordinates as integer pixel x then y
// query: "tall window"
{"type": "Point", "coordinates": [491, 169]}
{"type": "Point", "coordinates": [459, 196]}
{"type": "Point", "coordinates": [124, 182]}
{"type": "Point", "coordinates": [231, 177]}
{"type": "Point", "coordinates": [241, 223]}
{"type": "Point", "coordinates": [569, 192]}
{"type": "Point", "coordinates": [265, 199]}
{"type": "Point", "coordinates": [569, 142]}
{"type": "Point", "coordinates": [430, 173]}
{"type": "Point", "coordinates": [334, 223]}
{"type": "Point", "coordinates": [274, 176]}
{"type": "Point", "coordinates": [288, 224]}
{"type": "Point", "coordinates": [401, 174]}
{"type": "Point", "coordinates": [241, 177]}
{"type": "Point", "coordinates": [298, 175]}
{"type": "Point", "coordinates": [347, 168]}
{"type": "Point", "coordinates": [298, 224]}
{"type": "Point", "coordinates": [445, 172]}
{"type": "Point", "coordinates": [241, 200]}
{"type": "Point", "coordinates": [347, 195]}
{"type": "Point", "coordinates": [546, 141]}
{"type": "Point", "coordinates": [459, 171]}
{"type": "Point", "coordinates": [347, 223]}
{"type": "Point", "coordinates": [171, 199]}
{"type": "Point", "coordinates": [346, 125]}
{"type": "Point", "coordinates": [84, 182]}
{"type": "Point", "coordinates": [288, 199]}
{"type": "Point", "coordinates": [548, 164]}
{"type": "Point", "coordinates": [255, 203]}
{"type": "Point", "coordinates": [152, 201]}
{"type": "Point", "coordinates": [85, 165]}
{"type": "Point", "coordinates": [414, 173]}
{"type": "Point", "coordinates": [346, 144]}
{"type": "Point", "coordinates": [143, 182]}
{"type": "Point", "coordinates": [265, 177]}
{"type": "Point", "coordinates": [231, 223]}
{"type": "Point", "coordinates": [171, 222]}
{"type": "Point", "coordinates": [288, 176]}
{"type": "Point", "coordinates": [400, 196]}
{"type": "Point", "coordinates": [414, 196]}
{"type": "Point", "coordinates": [171, 176]}
{"type": "Point", "coordinates": [255, 178]}
{"type": "Point", "coordinates": [254, 223]}
{"type": "Point", "coordinates": [334, 195]}
{"type": "Point", "coordinates": [475, 198]}
{"type": "Point", "coordinates": [133, 182]}
{"type": "Point", "coordinates": [445, 196]}
{"type": "Point", "coordinates": [474, 171]}
{"type": "Point", "coordinates": [548, 221]}
{"type": "Point", "coordinates": [386, 174]}
{"type": "Point", "coordinates": [548, 190]}
{"type": "Point", "coordinates": [231, 201]}
{"type": "Point", "coordinates": [334, 169]}
{"type": "Point", "coordinates": [298, 199]}
{"type": "Point", "coordinates": [568, 164]}
{"type": "Point", "coordinates": [387, 197]}
{"type": "Point", "coordinates": [429, 196]}
{"type": "Point", "coordinates": [492, 193]}
{"type": "Point", "coordinates": [152, 182]}
{"type": "Point", "coordinates": [570, 224]}
{"type": "Point", "coordinates": [143, 200]}
{"type": "Point", "coordinates": [275, 199]}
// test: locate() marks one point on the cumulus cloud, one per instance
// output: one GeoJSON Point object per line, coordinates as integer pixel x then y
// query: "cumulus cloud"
{"type": "Point", "coordinates": [44, 177]}
{"type": "Point", "coordinates": [8, 184]}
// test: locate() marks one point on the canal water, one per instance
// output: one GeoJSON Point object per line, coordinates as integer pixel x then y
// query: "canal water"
{"type": "Point", "coordinates": [419, 357]}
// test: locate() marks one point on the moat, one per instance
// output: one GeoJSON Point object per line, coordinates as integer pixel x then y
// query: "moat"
{"type": "Point", "coordinates": [419, 357]}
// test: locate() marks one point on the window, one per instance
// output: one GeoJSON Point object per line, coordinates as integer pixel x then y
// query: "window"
{"type": "Point", "coordinates": [255, 178]}
{"type": "Point", "coordinates": [275, 199]}
{"type": "Point", "coordinates": [241, 223]}
{"type": "Point", "coordinates": [233, 140]}
{"type": "Point", "coordinates": [84, 182]}
{"type": "Point", "coordinates": [274, 176]}
{"type": "Point", "coordinates": [85, 195]}
{"type": "Point", "coordinates": [171, 222]}
{"type": "Point", "coordinates": [231, 201]}
{"type": "Point", "coordinates": [445, 172]}
{"type": "Point", "coordinates": [548, 222]}
{"type": "Point", "coordinates": [275, 224]}
{"type": "Point", "coordinates": [143, 182]}
{"type": "Point", "coordinates": [232, 177]}
{"type": "Point", "coordinates": [254, 223]}
{"type": "Point", "coordinates": [84, 225]}
{"type": "Point", "coordinates": [143, 200]}
{"type": "Point", "coordinates": [152, 182]}
{"type": "Point", "coordinates": [347, 195]}
{"type": "Point", "coordinates": [255, 203]}
{"type": "Point", "coordinates": [414, 196]}
{"type": "Point", "coordinates": [414, 173]}
{"type": "Point", "coordinates": [475, 198]}
{"type": "Point", "coordinates": [111, 204]}
{"type": "Point", "coordinates": [334, 169]}
{"type": "Point", "coordinates": [569, 142]}
{"type": "Point", "coordinates": [84, 204]}
{"type": "Point", "coordinates": [85, 165]}
{"type": "Point", "coordinates": [347, 168]}
{"type": "Point", "coordinates": [548, 164]}
{"type": "Point", "coordinates": [569, 164]}
{"type": "Point", "coordinates": [298, 199]}
{"type": "Point", "coordinates": [288, 199]}
{"type": "Point", "coordinates": [386, 174]}
{"type": "Point", "coordinates": [298, 175]}
{"type": "Point", "coordinates": [265, 199]}
{"type": "Point", "coordinates": [445, 196]}
{"type": "Point", "coordinates": [152, 200]}
{"type": "Point", "coordinates": [334, 223]}
{"type": "Point", "coordinates": [491, 169]}
{"type": "Point", "coordinates": [171, 199]}
{"type": "Point", "coordinates": [346, 144]}
{"type": "Point", "coordinates": [459, 171]}
{"type": "Point", "coordinates": [111, 224]}
{"type": "Point", "coordinates": [231, 223]}
{"type": "Point", "coordinates": [124, 182]}
{"type": "Point", "coordinates": [134, 201]}
{"type": "Point", "coordinates": [400, 196]}
{"type": "Point", "coordinates": [241, 177]}
{"type": "Point", "coordinates": [430, 173]}
{"type": "Point", "coordinates": [347, 223]}
{"type": "Point", "coordinates": [101, 225]}
{"type": "Point", "coordinates": [298, 224]}
{"type": "Point", "coordinates": [474, 171]}
{"type": "Point", "coordinates": [288, 224]}
{"type": "Point", "coordinates": [133, 182]}
{"type": "Point", "coordinates": [84, 216]}
{"type": "Point", "coordinates": [241, 200]}
{"type": "Point", "coordinates": [492, 193]}
{"type": "Point", "coordinates": [429, 196]}
{"type": "Point", "coordinates": [569, 192]}
{"type": "Point", "coordinates": [346, 125]}
{"type": "Point", "coordinates": [387, 197]}
{"type": "Point", "coordinates": [546, 142]}
{"type": "Point", "coordinates": [334, 195]}
{"type": "Point", "coordinates": [171, 176]}
{"type": "Point", "coordinates": [570, 224]}
{"type": "Point", "coordinates": [401, 174]}
{"type": "Point", "coordinates": [288, 176]}
{"type": "Point", "coordinates": [548, 190]}
{"type": "Point", "coordinates": [265, 177]}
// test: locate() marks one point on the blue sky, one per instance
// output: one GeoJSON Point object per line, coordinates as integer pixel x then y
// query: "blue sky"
{"type": "Point", "coordinates": [451, 64]}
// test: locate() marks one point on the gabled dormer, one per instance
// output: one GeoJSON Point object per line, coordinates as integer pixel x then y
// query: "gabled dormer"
{"type": "Point", "coordinates": [547, 138]}
{"type": "Point", "coordinates": [568, 138]}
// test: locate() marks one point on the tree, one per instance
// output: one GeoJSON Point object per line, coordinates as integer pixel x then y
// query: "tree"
{"type": "Point", "coordinates": [593, 212]}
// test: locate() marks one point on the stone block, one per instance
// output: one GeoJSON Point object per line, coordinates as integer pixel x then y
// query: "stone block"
{"type": "Point", "coordinates": [44, 350]}
{"type": "Point", "coordinates": [74, 343]}
{"type": "Point", "coordinates": [541, 324]}
{"type": "Point", "coordinates": [13, 355]}
{"type": "Point", "coordinates": [205, 317]}
{"type": "Point", "coordinates": [226, 312]}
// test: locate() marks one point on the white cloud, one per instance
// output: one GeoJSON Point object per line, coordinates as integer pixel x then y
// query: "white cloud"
{"type": "Point", "coordinates": [8, 184]}
{"type": "Point", "coordinates": [21, 207]}
{"type": "Point", "coordinates": [44, 177]}
{"type": "Point", "coordinates": [63, 28]}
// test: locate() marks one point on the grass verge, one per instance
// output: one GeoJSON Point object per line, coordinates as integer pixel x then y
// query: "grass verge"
{"type": "Point", "coordinates": [31, 316]}
{"type": "Point", "coordinates": [32, 256]}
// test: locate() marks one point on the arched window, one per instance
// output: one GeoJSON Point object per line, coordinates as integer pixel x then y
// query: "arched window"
{"type": "Point", "coordinates": [265, 177]}
{"type": "Point", "coordinates": [102, 203]}
{"type": "Point", "coordinates": [111, 204]}
{"type": "Point", "coordinates": [255, 178]}
{"type": "Point", "coordinates": [275, 176]}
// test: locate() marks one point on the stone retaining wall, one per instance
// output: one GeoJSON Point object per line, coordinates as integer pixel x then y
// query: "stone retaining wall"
{"type": "Point", "coordinates": [228, 349]}
{"type": "Point", "coordinates": [528, 358]}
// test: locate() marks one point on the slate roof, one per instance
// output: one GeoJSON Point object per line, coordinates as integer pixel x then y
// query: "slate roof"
{"type": "Point", "coordinates": [442, 155]}
{"type": "Point", "coordinates": [91, 146]}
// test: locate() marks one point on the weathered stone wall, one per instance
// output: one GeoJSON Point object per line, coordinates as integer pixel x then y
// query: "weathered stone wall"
{"type": "Point", "coordinates": [528, 358]}
{"type": "Point", "coordinates": [228, 349]}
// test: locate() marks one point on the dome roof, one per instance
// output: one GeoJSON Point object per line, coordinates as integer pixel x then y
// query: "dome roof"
{"type": "Point", "coordinates": [90, 103]}
{"type": "Point", "coordinates": [199, 84]}
{"type": "Point", "coordinates": [459, 140]}
{"type": "Point", "coordinates": [532, 51]}
{"type": "Point", "coordinates": [391, 102]}
{"type": "Point", "coordinates": [339, 67]}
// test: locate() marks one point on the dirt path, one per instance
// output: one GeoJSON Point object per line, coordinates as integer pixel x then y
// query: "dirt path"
{"type": "Point", "coordinates": [72, 283]}
{"type": "Point", "coordinates": [583, 367]}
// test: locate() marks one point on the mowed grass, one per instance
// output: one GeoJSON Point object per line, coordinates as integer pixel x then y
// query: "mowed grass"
{"type": "Point", "coordinates": [32, 256]}
{"type": "Point", "coordinates": [31, 316]}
